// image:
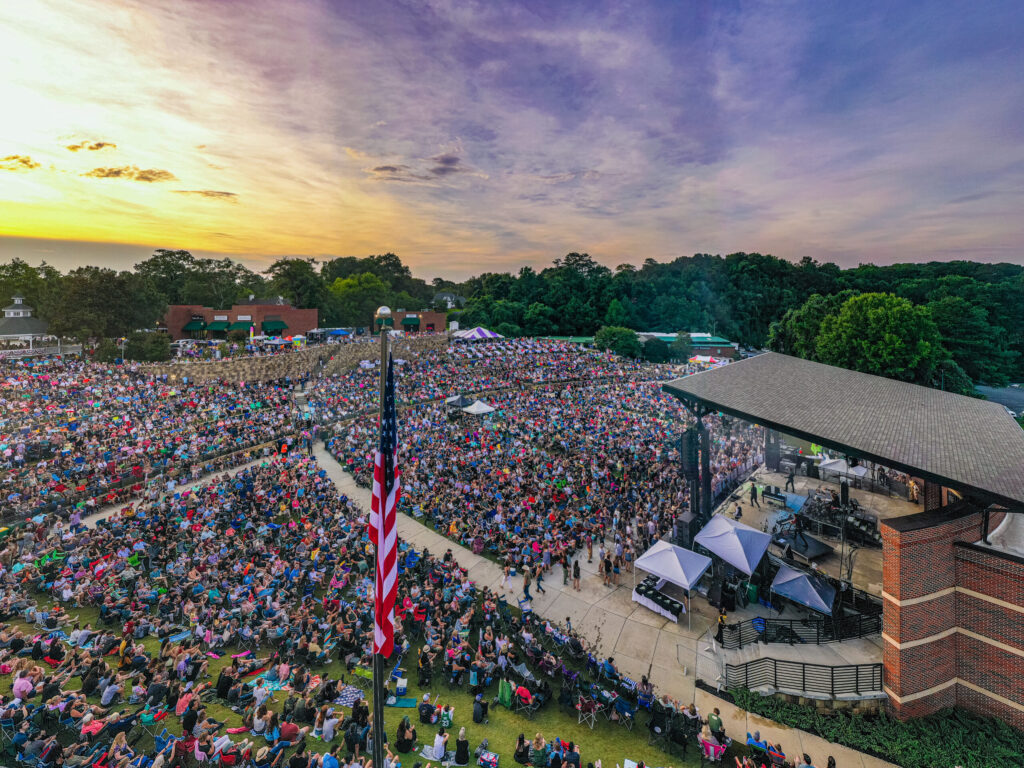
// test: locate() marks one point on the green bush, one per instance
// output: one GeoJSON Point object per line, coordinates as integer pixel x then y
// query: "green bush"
{"type": "Point", "coordinates": [950, 737]}
{"type": "Point", "coordinates": [148, 346]}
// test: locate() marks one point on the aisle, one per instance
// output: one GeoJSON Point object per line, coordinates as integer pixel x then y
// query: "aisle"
{"type": "Point", "coordinates": [641, 642]}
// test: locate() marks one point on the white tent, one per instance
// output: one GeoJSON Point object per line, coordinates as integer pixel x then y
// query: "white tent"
{"type": "Point", "coordinates": [673, 564]}
{"type": "Point", "coordinates": [476, 334]}
{"type": "Point", "coordinates": [479, 408]}
{"type": "Point", "coordinates": [739, 545]}
{"type": "Point", "coordinates": [840, 466]}
{"type": "Point", "coordinates": [804, 588]}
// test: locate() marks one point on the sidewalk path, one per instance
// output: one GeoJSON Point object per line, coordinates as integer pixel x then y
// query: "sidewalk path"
{"type": "Point", "coordinates": [641, 642]}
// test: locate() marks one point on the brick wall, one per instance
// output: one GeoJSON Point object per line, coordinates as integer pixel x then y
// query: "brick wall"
{"type": "Point", "coordinates": [299, 321]}
{"type": "Point", "coordinates": [934, 552]}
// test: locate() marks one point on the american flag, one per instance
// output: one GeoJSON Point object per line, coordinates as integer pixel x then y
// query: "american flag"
{"type": "Point", "coordinates": [383, 529]}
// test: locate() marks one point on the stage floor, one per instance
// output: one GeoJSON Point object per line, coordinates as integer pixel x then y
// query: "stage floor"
{"type": "Point", "coordinates": [867, 564]}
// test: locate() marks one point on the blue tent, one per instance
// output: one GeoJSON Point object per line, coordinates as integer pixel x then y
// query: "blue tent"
{"type": "Point", "coordinates": [805, 589]}
{"type": "Point", "coordinates": [339, 332]}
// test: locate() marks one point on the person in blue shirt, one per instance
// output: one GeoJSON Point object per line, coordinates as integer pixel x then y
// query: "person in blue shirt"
{"type": "Point", "coordinates": [330, 760]}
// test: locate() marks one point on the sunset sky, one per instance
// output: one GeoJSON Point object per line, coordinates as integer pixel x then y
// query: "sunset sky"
{"type": "Point", "coordinates": [473, 136]}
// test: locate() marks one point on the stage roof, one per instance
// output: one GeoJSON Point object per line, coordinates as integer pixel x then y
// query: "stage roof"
{"type": "Point", "coordinates": [966, 444]}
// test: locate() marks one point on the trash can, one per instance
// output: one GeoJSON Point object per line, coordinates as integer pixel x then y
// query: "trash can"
{"type": "Point", "coordinates": [752, 593]}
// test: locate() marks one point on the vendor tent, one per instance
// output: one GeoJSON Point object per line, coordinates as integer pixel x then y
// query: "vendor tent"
{"type": "Point", "coordinates": [478, 333]}
{"type": "Point", "coordinates": [739, 545]}
{"type": "Point", "coordinates": [805, 589]}
{"type": "Point", "coordinates": [478, 408]}
{"type": "Point", "coordinates": [458, 401]}
{"type": "Point", "coordinates": [675, 565]}
{"type": "Point", "coordinates": [339, 332]}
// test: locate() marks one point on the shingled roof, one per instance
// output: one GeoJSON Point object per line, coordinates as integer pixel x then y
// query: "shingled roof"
{"type": "Point", "coordinates": [963, 443]}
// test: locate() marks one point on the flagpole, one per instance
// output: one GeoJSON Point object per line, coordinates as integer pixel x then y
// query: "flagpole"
{"type": "Point", "coordinates": [378, 659]}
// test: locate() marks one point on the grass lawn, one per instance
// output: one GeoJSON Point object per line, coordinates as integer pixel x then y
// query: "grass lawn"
{"type": "Point", "coordinates": [609, 742]}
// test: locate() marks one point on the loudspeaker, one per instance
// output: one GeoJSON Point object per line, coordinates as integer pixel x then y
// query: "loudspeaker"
{"type": "Point", "coordinates": [844, 493]}
{"type": "Point", "coordinates": [688, 448]}
{"type": "Point", "coordinates": [772, 450]}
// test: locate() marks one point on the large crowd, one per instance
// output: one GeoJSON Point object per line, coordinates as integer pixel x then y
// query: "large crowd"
{"type": "Point", "coordinates": [85, 433]}
{"type": "Point", "coordinates": [251, 591]}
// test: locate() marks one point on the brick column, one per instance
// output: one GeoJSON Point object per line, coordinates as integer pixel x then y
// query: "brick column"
{"type": "Point", "coordinates": [919, 611]}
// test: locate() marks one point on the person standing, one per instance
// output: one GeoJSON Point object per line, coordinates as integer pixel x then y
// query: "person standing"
{"type": "Point", "coordinates": [526, 582]}
{"type": "Point", "coordinates": [790, 485]}
{"type": "Point", "coordinates": [753, 496]}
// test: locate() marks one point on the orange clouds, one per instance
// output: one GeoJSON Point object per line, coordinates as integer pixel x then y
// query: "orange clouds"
{"type": "Point", "coordinates": [18, 163]}
{"type": "Point", "coordinates": [132, 173]}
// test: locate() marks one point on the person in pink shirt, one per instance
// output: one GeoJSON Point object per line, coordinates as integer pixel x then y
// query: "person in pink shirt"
{"type": "Point", "coordinates": [23, 687]}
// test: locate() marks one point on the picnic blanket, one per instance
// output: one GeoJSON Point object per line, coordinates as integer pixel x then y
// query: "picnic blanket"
{"type": "Point", "coordinates": [401, 702]}
{"type": "Point", "coordinates": [348, 696]}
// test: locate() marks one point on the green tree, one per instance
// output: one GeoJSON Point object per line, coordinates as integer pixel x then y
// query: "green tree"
{"type": "Point", "coordinates": [539, 320]}
{"type": "Point", "coordinates": [509, 330]}
{"type": "Point", "coordinates": [298, 281]}
{"type": "Point", "coordinates": [147, 346]}
{"type": "Point", "coordinates": [977, 347]}
{"type": "Point", "coordinates": [656, 350]}
{"type": "Point", "coordinates": [355, 299]}
{"type": "Point", "coordinates": [616, 315]}
{"type": "Point", "coordinates": [621, 341]}
{"type": "Point", "coordinates": [796, 333]}
{"type": "Point", "coordinates": [682, 347]}
{"type": "Point", "coordinates": [168, 271]}
{"type": "Point", "coordinates": [882, 334]}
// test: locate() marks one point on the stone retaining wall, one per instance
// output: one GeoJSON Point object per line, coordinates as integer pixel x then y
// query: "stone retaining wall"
{"type": "Point", "coordinates": [338, 358]}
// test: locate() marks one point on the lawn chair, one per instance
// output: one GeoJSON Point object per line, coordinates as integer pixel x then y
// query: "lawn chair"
{"type": "Point", "coordinates": [711, 753]}
{"type": "Point", "coordinates": [659, 727]}
{"type": "Point", "coordinates": [524, 706]}
{"type": "Point", "coordinates": [587, 709]}
{"type": "Point", "coordinates": [626, 713]}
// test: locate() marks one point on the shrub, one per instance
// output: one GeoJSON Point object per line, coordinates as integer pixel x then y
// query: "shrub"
{"type": "Point", "coordinates": [949, 737]}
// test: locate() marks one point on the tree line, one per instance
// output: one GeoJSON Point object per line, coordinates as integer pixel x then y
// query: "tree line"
{"type": "Point", "coordinates": [948, 324]}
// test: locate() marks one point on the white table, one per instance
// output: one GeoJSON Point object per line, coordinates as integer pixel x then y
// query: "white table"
{"type": "Point", "coordinates": [653, 606]}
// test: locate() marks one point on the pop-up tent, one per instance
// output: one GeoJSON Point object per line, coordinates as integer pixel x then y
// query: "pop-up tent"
{"type": "Point", "coordinates": [841, 467]}
{"type": "Point", "coordinates": [673, 564]}
{"type": "Point", "coordinates": [805, 589]}
{"type": "Point", "coordinates": [479, 408]}
{"type": "Point", "coordinates": [739, 545]}
{"type": "Point", "coordinates": [458, 401]}
{"type": "Point", "coordinates": [476, 334]}
{"type": "Point", "coordinates": [339, 332]}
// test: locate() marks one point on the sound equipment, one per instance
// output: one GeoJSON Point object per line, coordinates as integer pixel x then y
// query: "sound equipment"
{"type": "Point", "coordinates": [690, 444]}
{"type": "Point", "coordinates": [844, 493]}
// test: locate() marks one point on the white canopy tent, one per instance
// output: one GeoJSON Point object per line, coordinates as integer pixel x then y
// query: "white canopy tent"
{"type": "Point", "coordinates": [479, 408]}
{"type": "Point", "coordinates": [805, 589]}
{"type": "Point", "coordinates": [675, 565]}
{"type": "Point", "coordinates": [739, 545]}
{"type": "Point", "coordinates": [840, 466]}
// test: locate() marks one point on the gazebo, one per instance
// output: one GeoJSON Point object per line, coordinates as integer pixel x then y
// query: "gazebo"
{"type": "Point", "coordinates": [18, 324]}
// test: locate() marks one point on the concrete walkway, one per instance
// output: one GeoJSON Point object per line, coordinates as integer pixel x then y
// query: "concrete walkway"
{"type": "Point", "coordinates": [641, 642]}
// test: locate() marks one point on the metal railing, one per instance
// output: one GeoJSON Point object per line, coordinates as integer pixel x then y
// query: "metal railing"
{"type": "Point", "coordinates": [792, 631]}
{"type": "Point", "coordinates": [795, 676]}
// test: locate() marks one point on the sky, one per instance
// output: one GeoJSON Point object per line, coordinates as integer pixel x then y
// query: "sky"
{"type": "Point", "coordinates": [482, 136]}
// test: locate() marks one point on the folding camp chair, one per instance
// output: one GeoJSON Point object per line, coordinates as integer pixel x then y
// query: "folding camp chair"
{"type": "Point", "coordinates": [659, 726]}
{"type": "Point", "coordinates": [587, 710]}
{"type": "Point", "coordinates": [528, 708]}
{"type": "Point", "coordinates": [711, 753]}
{"type": "Point", "coordinates": [626, 713]}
